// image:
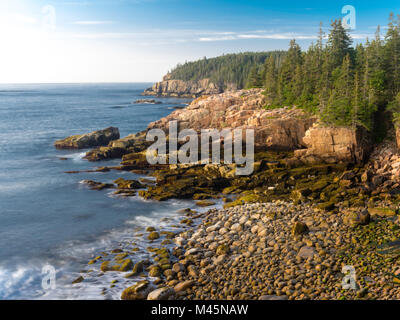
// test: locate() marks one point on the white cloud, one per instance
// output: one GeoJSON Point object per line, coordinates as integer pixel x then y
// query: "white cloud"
{"type": "Point", "coordinates": [259, 35]}
{"type": "Point", "coordinates": [92, 22]}
{"type": "Point", "coordinates": [217, 38]}
{"type": "Point", "coordinates": [277, 36]}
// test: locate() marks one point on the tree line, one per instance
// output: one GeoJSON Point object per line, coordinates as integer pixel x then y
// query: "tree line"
{"type": "Point", "coordinates": [345, 85]}
{"type": "Point", "coordinates": [226, 70]}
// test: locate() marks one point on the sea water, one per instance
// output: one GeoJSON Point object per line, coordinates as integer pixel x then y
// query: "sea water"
{"type": "Point", "coordinates": [46, 215]}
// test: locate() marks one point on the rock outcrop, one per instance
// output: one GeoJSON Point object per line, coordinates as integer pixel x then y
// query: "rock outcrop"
{"type": "Point", "coordinates": [146, 101]}
{"type": "Point", "coordinates": [184, 89]}
{"type": "Point", "coordinates": [278, 129]}
{"type": "Point", "coordinates": [335, 144]}
{"type": "Point", "coordinates": [117, 148]}
{"type": "Point", "coordinates": [89, 140]}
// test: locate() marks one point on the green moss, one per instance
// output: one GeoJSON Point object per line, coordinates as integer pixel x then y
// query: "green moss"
{"type": "Point", "coordinates": [205, 203]}
{"type": "Point", "coordinates": [326, 206]}
{"type": "Point", "coordinates": [120, 265]}
{"type": "Point", "coordinates": [125, 265]}
{"type": "Point", "coordinates": [138, 267]}
{"type": "Point", "coordinates": [121, 256]}
{"type": "Point", "coordinates": [132, 293]}
{"type": "Point", "coordinates": [382, 211]}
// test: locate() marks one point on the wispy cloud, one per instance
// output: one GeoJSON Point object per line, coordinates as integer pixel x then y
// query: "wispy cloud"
{"type": "Point", "coordinates": [260, 35]}
{"type": "Point", "coordinates": [278, 36]}
{"type": "Point", "coordinates": [185, 36]}
{"type": "Point", "coordinates": [218, 38]}
{"type": "Point", "coordinates": [92, 22]}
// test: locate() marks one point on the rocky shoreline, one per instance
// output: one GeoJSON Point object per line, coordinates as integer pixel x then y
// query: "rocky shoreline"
{"type": "Point", "coordinates": [319, 199]}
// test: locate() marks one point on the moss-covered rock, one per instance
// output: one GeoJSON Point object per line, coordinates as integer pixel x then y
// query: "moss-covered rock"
{"type": "Point", "coordinates": [299, 228]}
{"type": "Point", "coordinates": [326, 206]}
{"type": "Point", "coordinates": [78, 280]}
{"type": "Point", "coordinates": [155, 271]}
{"type": "Point", "coordinates": [153, 236]}
{"type": "Point", "coordinates": [205, 203]}
{"type": "Point", "coordinates": [119, 265]}
{"type": "Point", "coordinates": [356, 216]}
{"type": "Point", "coordinates": [137, 292]}
{"type": "Point", "coordinates": [138, 267]}
{"type": "Point", "coordinates": [128, 184]}
{"type": "Point", "coordinates": [382, 212]}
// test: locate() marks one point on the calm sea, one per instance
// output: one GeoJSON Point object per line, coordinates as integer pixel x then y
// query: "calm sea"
{"type": "Point", "coordinates": [48, 216]}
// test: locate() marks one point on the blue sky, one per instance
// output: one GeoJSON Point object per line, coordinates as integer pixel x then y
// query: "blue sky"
{"type": "Point", "coordinates": [140, 40]}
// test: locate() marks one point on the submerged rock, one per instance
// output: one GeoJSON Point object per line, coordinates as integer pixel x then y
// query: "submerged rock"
{"type": "Point", "coordinates": [78, 280]}
{"type": "Point", "coordinates": [94, 185]}
{"type": "Point", "coordinates": [147, 101]}
{"type": "Point", "coordinates": [89, 140]}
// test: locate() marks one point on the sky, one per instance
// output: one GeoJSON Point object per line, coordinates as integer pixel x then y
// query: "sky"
{"type": "Point", "coordinates": [76, 41]}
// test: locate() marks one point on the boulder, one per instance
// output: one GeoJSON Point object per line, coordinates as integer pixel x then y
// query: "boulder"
{"type": "Point", "coordinates": [161, 294]}
{"type": "Point", "coordinates": [132, 143]}
{"type": "Point", "coordinates": [356, 216]}
{"type": "Point", "coordinates": [89, 140]}
{"type": "Point", "coordinates": [307, 252]}
{"type": "Point", "coordinates": [335, 144]}
{"type": "Point", "coordinates": [299, 228]}
{"type": "Point", "coordinates": [183, 286]}
{"type": "Point", "coordinates": [139, 291]}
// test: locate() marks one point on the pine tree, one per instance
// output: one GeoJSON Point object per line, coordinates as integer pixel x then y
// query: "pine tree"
{"type": "Point", "coordinates": [392, 57]}
{"type": "Point", "coordinates": [270, 80]}
{"type": "Point", "coordinates": [339, 110]}
{"type": "Point", "coordinates": [255, 80]}
{"type": "Point", "coordinates": [339, 44]}
{"type": "Point", "coordinates": [286, 89]}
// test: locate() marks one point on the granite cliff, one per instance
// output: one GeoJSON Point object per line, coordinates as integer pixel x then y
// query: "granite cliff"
{"type": "Point", "coordinates": [183, 89]}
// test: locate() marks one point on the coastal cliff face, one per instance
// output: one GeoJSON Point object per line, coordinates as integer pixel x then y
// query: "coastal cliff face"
{"type": "Point", "coordinates": [331, 145]}
{"type": "Point", "coordinates": [278, 129]}
{"type": "Point", "coordinates": [282, 129]}
{"type": "Point", "coordinates": [184, 89]}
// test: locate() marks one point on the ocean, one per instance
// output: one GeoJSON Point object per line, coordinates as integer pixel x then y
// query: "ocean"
{"type": "Point", "coordinates": [47, 217]}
